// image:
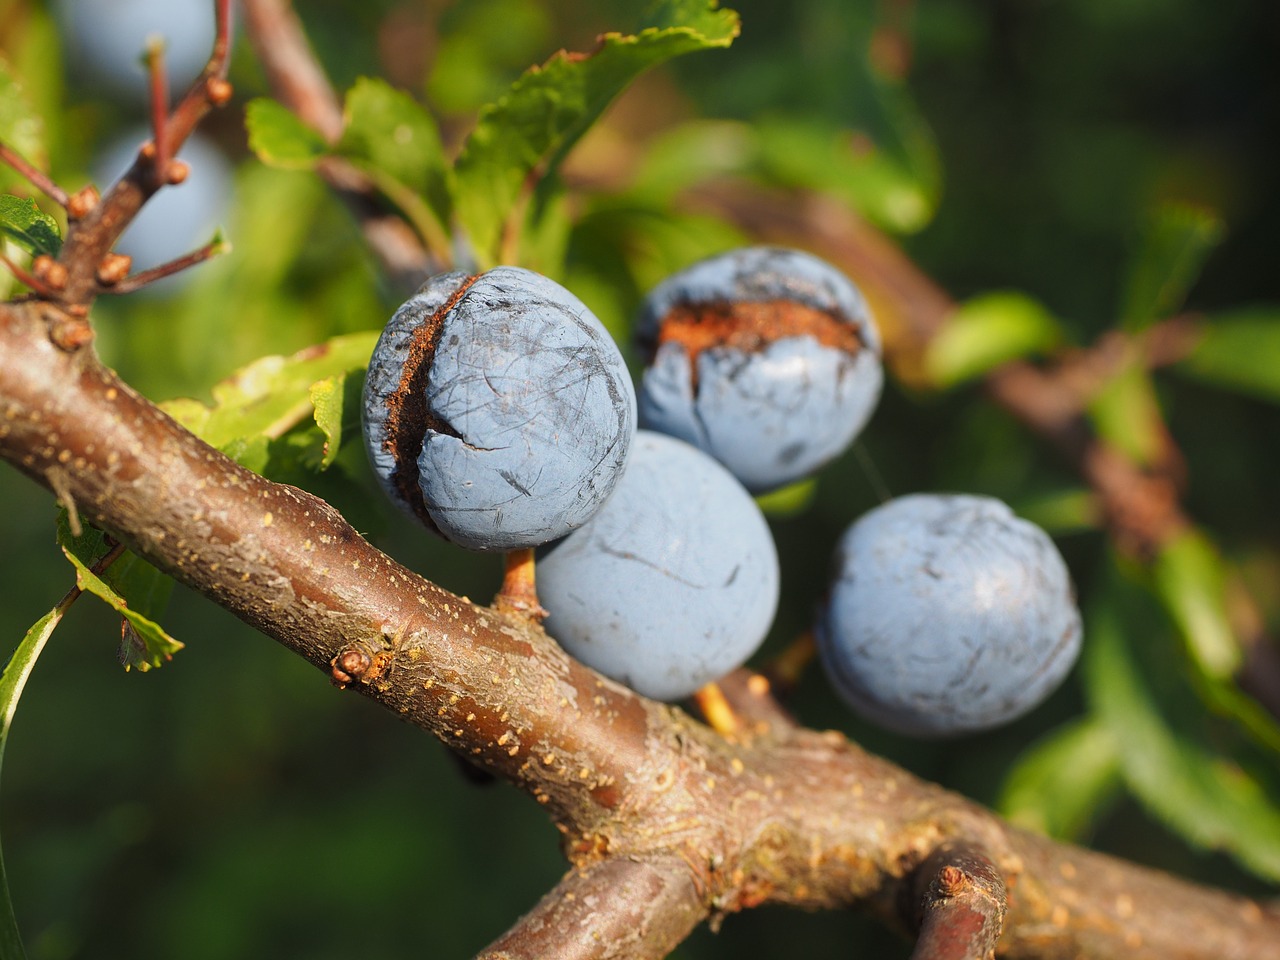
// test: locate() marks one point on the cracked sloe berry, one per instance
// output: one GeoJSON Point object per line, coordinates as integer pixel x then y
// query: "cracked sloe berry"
{"type": "Point", "coordinates": [673, 583]}
{"type": "Point", "coordinates": [765, 358]}
{"type": "Point", "coordinates": [497, 409]}
{"type": "Point", "coordinates": [947, 615]}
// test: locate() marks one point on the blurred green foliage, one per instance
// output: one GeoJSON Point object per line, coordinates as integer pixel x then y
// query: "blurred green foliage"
{"type": "Point", "coordinates": [1113, 162]}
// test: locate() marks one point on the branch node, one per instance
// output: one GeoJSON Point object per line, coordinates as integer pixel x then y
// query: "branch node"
{"type": "Point", "coordinates": [81, 203]}
{"type": "Point", "coordinates": [218, 91]}
{"type": "Point", "coordinates": [51, 274]}
{"type": "Point", "coordinates": [349, 665]}
{"type": "Point", "coordinates": [114, 268]}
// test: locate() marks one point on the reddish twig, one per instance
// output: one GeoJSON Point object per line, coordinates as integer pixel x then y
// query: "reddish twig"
{"type": "Point", "coordinates": [91, 237]}
{"type": "Point", "coordinates": [158, 83]}
{"type": "Point", "coordinates": [28, 279]}
{"type": "Point", "coordinates": [36, 178]}
{"type": "Point", "coordinates": [146, 277]}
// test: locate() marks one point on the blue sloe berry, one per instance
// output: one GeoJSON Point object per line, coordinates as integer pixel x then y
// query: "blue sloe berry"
{"type": "Point", "coordinates": [766, 358]}
{"type": "Point", "coordinates": [673, 583]}
{"type": "Point", "coordinates": [497, 409]}
{"type": "Point", "coordinates": [947, 615]}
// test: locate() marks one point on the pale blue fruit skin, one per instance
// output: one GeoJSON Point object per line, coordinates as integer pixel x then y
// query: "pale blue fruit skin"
{"type": "Point", "coordinates": [947, 615]}
{"type": "Point", "coordinates": [673, 584]}
{"type": "Point", "coordinates": [535, 408]}
{"type": "Point", "coordinates": [777, 415]}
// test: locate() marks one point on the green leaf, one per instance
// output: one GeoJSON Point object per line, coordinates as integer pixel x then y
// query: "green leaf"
{"type": "Point", "coordinates": [1189, 578]}
{"type": "Point", "coordinates": [1126, 413]}
{"type": "Point", "coordinates": [14, 678]}
{"type": "Point", "coordinates": [134, 588]}
{"type": "Point", "coordinates": [545, 112]}
{"type": "Point", "coordinates": [1214, 790]}
{"type": "Point", "coordinates": [987, 331]}
{"type": "Point", "coordinates": [29, 226]}
{"type": "Point", "coordinates": [1061, 511]}
{"type": "Point", "coordinates": [279, 138]}
{"type": "Point", "coordinates": [817, 155]}
{"type": "Point", "coordinates": [389, 136]}
{"type": "Point", "coordinates": [21, 127]}
{"type": "Point", "coordinates": [1175, 243]}
{"type": "Point", "coordinates": [1063, 783]}
{"type": "Point", "coordinates": [272, 395]}
{"type": "Point", "coordinates": [1240, 350]}
{"type": "Point", "coordinates": [336, 401]}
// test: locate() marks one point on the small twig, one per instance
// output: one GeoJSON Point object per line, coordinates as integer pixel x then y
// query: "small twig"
{"type": "Point", "coordinates": [961, 904]}
{"type": "Point", "coordinates": [749, 698]}
{"type": "Point", "coordinates": [29, 280]}
{"type": "Point", "coordinates": [158, 82]}
{"type": "Point", "coordinates": [91, 238]}
{"type": "Point", "coordinates": [145, 277]}
{"type": "Point", "coordinates": [36, 178]}
{"type": "Point", "coordinates": [787, 668]}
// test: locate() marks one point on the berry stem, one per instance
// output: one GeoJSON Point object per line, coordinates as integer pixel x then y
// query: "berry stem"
{"type": "Point", "coordinates": [716, 710]}
{"type": "Point", "coordinates": [519, 591]}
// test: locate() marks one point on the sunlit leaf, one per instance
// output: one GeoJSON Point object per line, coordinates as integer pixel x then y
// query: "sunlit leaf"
{"type": "Point", "coordinates": [1241, 351]}
{"type": "Point", "coordinates": [132, 587]}
{"type": "Point", "coordinates": [544, 113]}
{"type": "Point", "coordinates": [28, 226]}
{"type": "Point", "coordinates": [1176, 241]}
{"type": "Point", "coordinates": [390, 136]}
{"type": "Point", "coordinates": [1213, 790]}
{"type": "Point", "coordinates": [987, 331]}
{"type": "Point", "coordinates": [336, 401]}
{"type": "Point", "coordinates": [14, 678]}
{"type": "Point", "coordinates": [271, 395]}
{"type": "Point", "coordinates": [1188, 575]}
{"type": "Point", "coordinates": [1126, 413]}
{"type": "Point", "coordinates": [279, 138]}
{"type": "Point", "coordinates": [1062, 784]}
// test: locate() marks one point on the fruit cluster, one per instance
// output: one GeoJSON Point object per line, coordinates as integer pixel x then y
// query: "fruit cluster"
{"type": "Point", "coordinates": [498, 411]}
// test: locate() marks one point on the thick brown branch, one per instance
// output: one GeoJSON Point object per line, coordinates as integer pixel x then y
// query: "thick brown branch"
{"type": "Point", "coordinates": [612, 910]}
{"type": "Point", "coordinates": [961, 900]}
{"type": "Point", "coordinates": [807, 819]}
